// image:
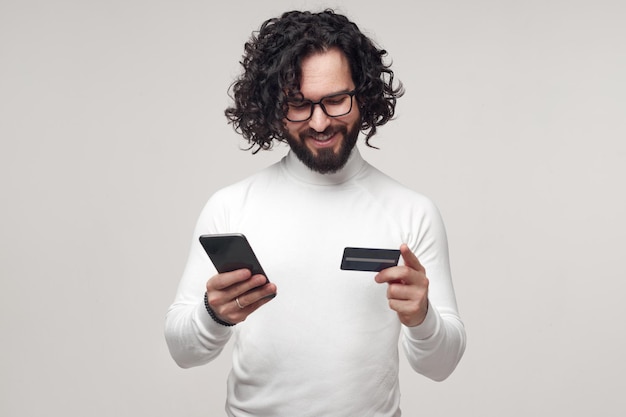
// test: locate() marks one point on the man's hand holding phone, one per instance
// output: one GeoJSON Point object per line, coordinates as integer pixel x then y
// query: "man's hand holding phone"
{"type": "Point", "coordinates": [234, 295]}
{"type": "Point", "coordinates": [241, 285]}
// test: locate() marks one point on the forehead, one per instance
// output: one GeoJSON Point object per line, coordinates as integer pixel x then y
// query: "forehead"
{"type": "Point", "coordinates": [325, 73]}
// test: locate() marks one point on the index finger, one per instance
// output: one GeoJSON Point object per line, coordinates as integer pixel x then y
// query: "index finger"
{"type": "Point", "coordinates": [410, 259]}
{"type": "Point", "coordinates": [224, 280]}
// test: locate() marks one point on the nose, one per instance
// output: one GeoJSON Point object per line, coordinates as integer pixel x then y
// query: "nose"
{"type": "Point", "coordinates": [319, 121]}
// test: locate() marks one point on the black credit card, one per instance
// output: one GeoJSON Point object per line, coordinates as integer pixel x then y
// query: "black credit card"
{"type": "Point", "coordinates": [367, 259]}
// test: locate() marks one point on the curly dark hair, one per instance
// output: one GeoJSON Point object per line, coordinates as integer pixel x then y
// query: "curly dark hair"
{"type": "Point", "coordinates": [271, 73]}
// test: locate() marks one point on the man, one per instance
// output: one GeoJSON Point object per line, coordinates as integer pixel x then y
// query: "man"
{"type": "Point", "coordinates": [317, 340]}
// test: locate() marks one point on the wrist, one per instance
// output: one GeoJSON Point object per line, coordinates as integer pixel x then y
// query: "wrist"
{"type": "Point", "coordinates": [212, 313]}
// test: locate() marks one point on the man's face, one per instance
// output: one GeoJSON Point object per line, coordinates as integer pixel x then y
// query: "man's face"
{"type": "Point", "coordinates": [324, 143]}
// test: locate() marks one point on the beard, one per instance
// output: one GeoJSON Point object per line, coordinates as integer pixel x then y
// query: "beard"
{"type": "Point", "coordinates": [326, 161]}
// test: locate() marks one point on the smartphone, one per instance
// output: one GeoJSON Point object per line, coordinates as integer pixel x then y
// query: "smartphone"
{"type": "Point", "coordinates": [230, 252]}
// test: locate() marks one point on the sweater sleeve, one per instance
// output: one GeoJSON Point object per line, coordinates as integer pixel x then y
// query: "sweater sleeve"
{"type": "Point", "coordinates": [192, 336]}
{"type": "Point", "coordinates": [435, 347]}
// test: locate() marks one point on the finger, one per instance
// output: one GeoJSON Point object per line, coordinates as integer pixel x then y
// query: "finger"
{"type": "Point", "coordinates": [259, 295]}
{"type": "Point", "coordinates": [236, 308]}
{"type": "Point", "coordinates": [241, 307]}
{"type": "Point", "coordinates": [396, 291]}
{"type": "Point", "coordinates": [225, 287]}
{"type": "Point", "coordinates": [399, 292]}
{"type": "Point", "coordinates": [256, 281]}
{"type": "Point", "coordinates": [240, 288]}
{"type": "Point", "coordinates": [410, 259]}
{"type": "Point", "coordinates": [225, 280]}
{"type": "Point", "coordinates": [393, 275]}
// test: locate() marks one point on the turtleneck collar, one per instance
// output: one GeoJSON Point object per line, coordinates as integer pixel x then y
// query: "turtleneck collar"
{"type": "Point", "coordinates": [294, 167]}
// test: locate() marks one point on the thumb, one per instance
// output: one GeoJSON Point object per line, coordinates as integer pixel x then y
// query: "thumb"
{"type": "Point", "coordinates": [410, 259]}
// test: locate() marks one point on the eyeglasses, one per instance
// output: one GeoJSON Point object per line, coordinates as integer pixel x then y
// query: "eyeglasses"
{"type": "Point", "coordinates": [333, 105]}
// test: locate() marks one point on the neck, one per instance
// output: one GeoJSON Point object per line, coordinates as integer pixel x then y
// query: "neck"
{"type": "Point", "coordinates": [303, 173]}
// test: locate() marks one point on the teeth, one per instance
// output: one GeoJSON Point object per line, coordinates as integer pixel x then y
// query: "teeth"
{"type": "Point", "coordinates": [322, 138]}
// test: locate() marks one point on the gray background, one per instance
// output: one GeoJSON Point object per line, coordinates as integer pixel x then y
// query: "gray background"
{"type": "Point", "coordinates": [113, 137]}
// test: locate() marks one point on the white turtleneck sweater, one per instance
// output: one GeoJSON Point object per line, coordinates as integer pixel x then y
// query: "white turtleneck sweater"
{"type": "Point", "coordinates": [327, 345]}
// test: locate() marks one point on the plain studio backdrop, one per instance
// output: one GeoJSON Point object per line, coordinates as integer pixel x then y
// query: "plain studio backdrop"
{"type": "Point", "coordinates": [113, 137]}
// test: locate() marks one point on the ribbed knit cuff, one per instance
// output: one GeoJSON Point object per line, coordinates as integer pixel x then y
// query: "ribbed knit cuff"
{"type": "Point", "coordinates": [429, 326]}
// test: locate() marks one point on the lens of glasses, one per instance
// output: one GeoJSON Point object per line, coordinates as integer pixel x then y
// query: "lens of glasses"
{"type": "Point", "coordinates": [334, 106]}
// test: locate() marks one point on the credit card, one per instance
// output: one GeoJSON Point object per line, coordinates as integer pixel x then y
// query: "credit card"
{"type": "Point", "coordinates": [367, 259]}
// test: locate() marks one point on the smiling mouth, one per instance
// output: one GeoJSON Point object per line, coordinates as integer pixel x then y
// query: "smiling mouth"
{"type": "Point", "coordinates": [322, 137]}
{"type": "Point", "coordinates": [327, 138]}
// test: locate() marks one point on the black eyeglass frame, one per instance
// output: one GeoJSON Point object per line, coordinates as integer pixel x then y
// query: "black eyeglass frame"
{"type": "Point", "coordinates": [319, 102]}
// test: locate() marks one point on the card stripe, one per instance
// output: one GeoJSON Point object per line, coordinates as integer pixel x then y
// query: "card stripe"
{"type": "Point", "coordinates": [378, 260]}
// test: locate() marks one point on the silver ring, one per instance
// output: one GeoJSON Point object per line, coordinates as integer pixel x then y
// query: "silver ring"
{"type": "Point", "coordinates": [238, 304]}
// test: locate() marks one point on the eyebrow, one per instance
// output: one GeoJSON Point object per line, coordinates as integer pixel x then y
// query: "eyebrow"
{"type": "Point", "coordinates": [296, 98]}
